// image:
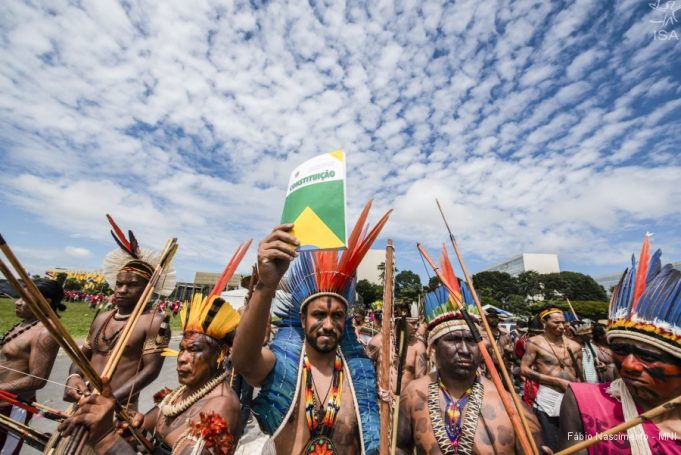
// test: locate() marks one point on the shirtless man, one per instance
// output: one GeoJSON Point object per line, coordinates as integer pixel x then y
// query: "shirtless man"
{"type": "Point", "coordinates": [128, 273]}
{"type": "Point", "coordinates": [28, 348]}
{"type": "Point", "coordinates": [416, 360]}
{"type": "Point", "coordinates": [554, 361]}
{"type": "Point", "coordinates": [300, 403]}
{"type": "Point", "coordinates": [484, 425]}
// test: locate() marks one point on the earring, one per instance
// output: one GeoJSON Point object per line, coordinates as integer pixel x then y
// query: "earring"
{"type": "Point", "coordinates": [221, 359]}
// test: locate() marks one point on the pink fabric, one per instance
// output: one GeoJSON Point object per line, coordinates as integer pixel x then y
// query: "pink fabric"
{"type": "Point", "coordinates": [600, 411]}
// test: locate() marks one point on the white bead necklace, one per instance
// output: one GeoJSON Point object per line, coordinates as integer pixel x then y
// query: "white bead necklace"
{"type": "Point", "coordinates": [172, 410]}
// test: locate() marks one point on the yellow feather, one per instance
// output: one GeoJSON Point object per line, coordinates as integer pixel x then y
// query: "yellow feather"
{"type": "Point", "coordinates": [167, 352]}
{"type": "Point", "coordinates": [226, 320]}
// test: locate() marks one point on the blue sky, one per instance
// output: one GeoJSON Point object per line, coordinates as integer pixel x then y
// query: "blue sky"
{"type": "Point", "coordinates": [540, 126]}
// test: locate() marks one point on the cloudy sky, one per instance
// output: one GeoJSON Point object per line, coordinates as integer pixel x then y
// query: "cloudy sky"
{"type": "Point", "coordinates": [540, 126]}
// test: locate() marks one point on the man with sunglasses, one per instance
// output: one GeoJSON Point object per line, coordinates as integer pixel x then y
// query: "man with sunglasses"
{"type": "Point", "coordinates": [643, 331]}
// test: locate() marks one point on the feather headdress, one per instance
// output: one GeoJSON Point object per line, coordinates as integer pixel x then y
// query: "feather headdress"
{"type": "Point", "coordinates": [311, 274]}
{"type": "Point", "coordinates": [129, 257]}
{"type": "Point", "coordinates": [646, 304]}
{"type": "Point", "coordinates": [212, 315]}
{"type": "Point", "coordinates": [441, 310]}
{"type": "Point", "coordinates": [318, 273]}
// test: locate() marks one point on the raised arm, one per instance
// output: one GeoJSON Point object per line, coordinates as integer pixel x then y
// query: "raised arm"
{"type": "Point", "coordinates": [250, 358]}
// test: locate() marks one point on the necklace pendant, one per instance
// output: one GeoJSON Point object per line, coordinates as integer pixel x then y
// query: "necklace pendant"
{"type": "Point", "coordinates": [320, 445]}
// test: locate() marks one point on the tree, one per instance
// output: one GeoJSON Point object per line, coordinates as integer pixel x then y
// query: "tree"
{"type": "Point", "coordinates": [369, 292]}
{"type": "Point", "coordinates": [515, 304]}
{"type": "Point", "coordinates": [407, 286]}
{"type": "Point", "coordinates": [496, 285]}
{"type": "Point", "coordinates": [572, 285]}
{"type": "Point", "coordinates": [433, 283]}
{"type": "Point", "coordinates": [529, 284]}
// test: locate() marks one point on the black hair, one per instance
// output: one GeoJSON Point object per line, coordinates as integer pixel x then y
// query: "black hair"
{"type": "Point", "coordinates": [51, 289]}
{"type": "Point", "coordinates": [598, 332]}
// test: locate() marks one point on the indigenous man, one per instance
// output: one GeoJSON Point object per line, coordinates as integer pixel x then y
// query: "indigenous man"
{"type": "Point", "coordinates": [604, 353]}
{"type": "Point", "coordinates": [27, 354]}
{"type": "Point", "coordinates": [643, 330]}
{"type": "Point", "coordinates": [530, 387]}
{"type": "Point", "coordinates": [127, 270]}
{"type": "Point", "coordinates": [455, 409]}
{"type": "Point", "coordinates": [592, 367]}
{"type": "Point", "coordinates": [318, 388]}
{"type": "Point", "coordinates": [416, 360]}
{"type": "Point", "coordinates": [203, 399]}
{"type": "Point", "coordinates": [501, 337]}
{"type": "Point", "coordinates": [553, 360]}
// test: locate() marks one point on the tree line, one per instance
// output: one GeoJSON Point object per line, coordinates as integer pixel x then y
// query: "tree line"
{"type": "Point", "coordinates": [520, 294]}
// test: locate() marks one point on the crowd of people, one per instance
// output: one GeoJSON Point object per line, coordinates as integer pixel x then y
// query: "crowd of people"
{"type": "Point", "coordinates": [309, 379]}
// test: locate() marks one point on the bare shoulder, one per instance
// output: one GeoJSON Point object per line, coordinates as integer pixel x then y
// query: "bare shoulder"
{"type": "Point", "coordinates": [417, 385]}
{"type": "Point", "coordinates": [222, 400]}
{"type": "Point", "coordinates": [535, 340]}
{"type": "Point", "coordinates": [45, 338]}
{"type": "Point", "coordinates": [573, 345]}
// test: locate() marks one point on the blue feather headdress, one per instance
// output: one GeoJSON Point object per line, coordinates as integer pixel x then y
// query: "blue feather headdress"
{"type": "Point", "coordinates": [442, 314]}
{"type": "Point", "coordinates": [646, 304]}
{"type": "Point", "coordinates": [313, 274]}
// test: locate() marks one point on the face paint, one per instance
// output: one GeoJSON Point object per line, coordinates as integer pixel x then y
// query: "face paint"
{"type": "Point", "coordinates": [323, 321]}
{"type": "Point", "coordinates": [197, 360]}
{"type": "Point", "coordinates": [457, 355]}
{"type": "Point", "coordinates": [651, 375]}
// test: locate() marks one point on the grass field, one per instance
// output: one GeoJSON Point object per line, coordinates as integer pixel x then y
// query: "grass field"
{"type": "Point", "coordinates": [76, 318]}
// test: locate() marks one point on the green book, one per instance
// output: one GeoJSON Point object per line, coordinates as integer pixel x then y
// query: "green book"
{"type": "Point", "coordinates": [315, 202]}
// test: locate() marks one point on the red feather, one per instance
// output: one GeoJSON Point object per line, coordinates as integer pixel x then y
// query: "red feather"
{"type": "Point", "coordinates": [642, 272]}
{"type": "Point", "coordinates": [119, 233]}
{"type": "Point", "coordinates": [230, 268]}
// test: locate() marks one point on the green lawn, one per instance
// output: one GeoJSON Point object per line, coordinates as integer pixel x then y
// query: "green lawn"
{"type": "Point", "coordinates": [76, 318]}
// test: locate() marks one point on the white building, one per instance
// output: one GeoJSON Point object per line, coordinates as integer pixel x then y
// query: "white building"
{"type": "Point", "coordinates": [537, 262]}
{"type": "Point", "coordinates": [368, 268]}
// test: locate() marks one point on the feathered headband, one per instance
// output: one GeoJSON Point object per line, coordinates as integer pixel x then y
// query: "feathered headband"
{"type": "Point", "coordinates": [442, 314]}
{"type": "Point", "coordinates": [129, 257]}
{"type": "Point", "coordinates": [646, 304]}
{"type": "Point", "coordinates": [212, 315]}
{"type": "Point", "coordinates": [319, 273]}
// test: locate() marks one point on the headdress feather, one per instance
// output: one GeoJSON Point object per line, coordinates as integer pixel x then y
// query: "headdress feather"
{"type": "Point", "coordinates": [646, 304]}
{"type": "Point", "coordinates": [212, 315]}
{"type": "Point", "coordinates": [315, 272]}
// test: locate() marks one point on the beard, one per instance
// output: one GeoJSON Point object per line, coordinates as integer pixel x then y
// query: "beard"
{"type": "Point", "coordinates": [312, 340]}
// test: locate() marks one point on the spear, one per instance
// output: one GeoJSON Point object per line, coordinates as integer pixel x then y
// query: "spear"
{"type": "Point", "coordinates": [524, 437]}
{"type": "Point", "coordinates": [402, 336]}
{"type": "Point", "coordinates": [32, 437]}
{"type": "Point", "coordinates": [492, 341]}
{"type": "Point", "coordinates": [385, 359]}
{"type": "Point", "coordinates": [670, 405]}
{"type": "Point", "coordinates": [32, 407]}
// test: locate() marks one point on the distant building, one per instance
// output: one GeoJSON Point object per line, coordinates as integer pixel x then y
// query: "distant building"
{"type": "Point", "coordinates": [536, 262]}
{"type": "Point", "coordinates": [610, 280]}
{"type": "Point", "coordinates": [203, 284]}
{"type": "Point", "coordinates": [368, 268]}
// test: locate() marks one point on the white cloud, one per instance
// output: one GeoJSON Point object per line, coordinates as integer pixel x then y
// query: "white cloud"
{"type": "Point", "coordinates": [538, 125]}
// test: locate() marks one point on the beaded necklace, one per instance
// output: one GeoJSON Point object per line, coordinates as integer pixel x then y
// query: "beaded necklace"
{"type": "Point", "coordinates": [321, 428]}
{"type": "Point", "coordinates": [6, 339]}
{"type": "Point", "coordinates": [453, 412]}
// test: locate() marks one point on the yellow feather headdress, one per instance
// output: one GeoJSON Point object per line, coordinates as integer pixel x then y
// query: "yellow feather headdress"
{"type": "Point", "coordinates": [212, 315]}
